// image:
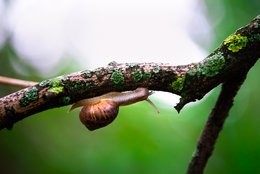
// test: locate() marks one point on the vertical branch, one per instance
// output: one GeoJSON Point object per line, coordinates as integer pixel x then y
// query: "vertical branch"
{"type": "Point", "coordinates": [214, 124]}
{"type": "Point", "coordinates": [230, 87]}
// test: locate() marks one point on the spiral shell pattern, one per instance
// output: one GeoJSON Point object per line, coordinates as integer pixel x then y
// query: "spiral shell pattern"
{"type": "Point", "coordinates": [99, 115]}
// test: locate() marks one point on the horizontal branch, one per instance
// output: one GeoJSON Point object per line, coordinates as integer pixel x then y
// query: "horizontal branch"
{"type": "Point", "coordinates": [191, 81]}
{"type": "Point", "coordinates": [16, 82]}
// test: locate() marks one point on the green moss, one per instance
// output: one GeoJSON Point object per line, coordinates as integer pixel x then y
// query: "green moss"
{"type": "Point", "coordinates": [88, 85]}
{"type": "Point", "coordinates": [147, 75]}
{"type": "Point", "coordinates": [76, 85]}
{"type": "Point", "coordinates": [191, 73]}
{"type": "Point", "coordinates": [117, 77]}
{"type": "Point", "coordinates": [54, 82]}
{"type": "Point", "coordinates": [138, 75]}
{"type": "Point", "coordinates": [193, 69]}
{"type": "Point", "coordinates": [65, 100]}
{"type": "Point", "coordinates": [178, 84]}
{"type": "Point", "coordinates": [86, 75]}
{"type": "Point", "coordinates": [156, 69]}
{"type": "Point", "coordinates": [254, 38]}
{"type": "Point", "coordinates": [44, 83]}
{"type": "Point", "coordinates": [29, 96]}
{"type": "Point", "coordinates": [212, 65]}
{"type": "Point", "coordinates": [236, 42]}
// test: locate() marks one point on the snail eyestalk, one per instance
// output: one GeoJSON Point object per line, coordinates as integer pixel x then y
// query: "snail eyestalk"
{"type": "Point", "coordinates": [153, 105]}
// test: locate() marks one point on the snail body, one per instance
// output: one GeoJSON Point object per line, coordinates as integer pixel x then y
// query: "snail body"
{"type": "Point", "coordinates": [100, 111]}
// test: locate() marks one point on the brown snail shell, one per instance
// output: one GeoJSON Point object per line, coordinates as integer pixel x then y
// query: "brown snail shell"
{"type": "Point", "coordinates": [99, 115]}
{"type": "Point", "coordinates": [100, 111]}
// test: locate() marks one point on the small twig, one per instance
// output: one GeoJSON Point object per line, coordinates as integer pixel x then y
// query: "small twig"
{"type": "Point", "coordinates": [16, 82]}
{"type": "Point", "coordinates": [215, 123]}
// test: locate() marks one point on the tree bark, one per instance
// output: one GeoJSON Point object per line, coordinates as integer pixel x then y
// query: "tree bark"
{"type": "Point", "coordinates": [191, 81]}
{"type": "Point", "coordinates": [214, 125]}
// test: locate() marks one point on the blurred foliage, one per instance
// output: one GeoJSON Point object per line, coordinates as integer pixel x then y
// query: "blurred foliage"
{"type": "Point", "coordinates": [139, 140]}
{"type": "Point", "coordinates": [226, 16]}
{"type": "Point", "coordinates": [237, 150]}
{"type": "Point", "coordinates": [7, 57]}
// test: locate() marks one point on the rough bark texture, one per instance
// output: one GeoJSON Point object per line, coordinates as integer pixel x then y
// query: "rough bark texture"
{"type": "Point", "coordinates": [190, 81]}
{"type": "Point", "coordinates": [214, 125]}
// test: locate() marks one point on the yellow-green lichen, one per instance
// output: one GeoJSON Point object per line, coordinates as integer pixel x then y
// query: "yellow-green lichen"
{"type": "Point", "coordinates": [117, 77]}
{"type": "Point", "coordinates": [236, 42]}
{"type": "Point", "coordinates": [29, 96]}
{"type": "Point", "coordinates": [55, 82]}
{"type": "Point", "coordinates": [138, 75]}
{"type": "Point", "coordinates": [56, 90]}
{"type": "Point", "coordinates": [212, 65]}
{"type": "Point", "coordinates": [178, 84]}
{"type": "Point", "coordinates": [56, 86]}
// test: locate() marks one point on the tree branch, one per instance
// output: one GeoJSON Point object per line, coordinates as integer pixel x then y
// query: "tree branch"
{"type": "Point", "coordinates": [190, 81]}
{"type": "Point", "coordinates": [16, 82]}
{"type": "Point", "coordinates": [214, 125]}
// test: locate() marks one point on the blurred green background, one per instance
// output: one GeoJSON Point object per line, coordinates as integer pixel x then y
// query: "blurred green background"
{"type": "Point", "coordinates": [139, 140]}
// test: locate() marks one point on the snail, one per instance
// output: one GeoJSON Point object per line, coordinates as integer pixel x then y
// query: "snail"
{"type": "Point", "coordinates": [98, 112]}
